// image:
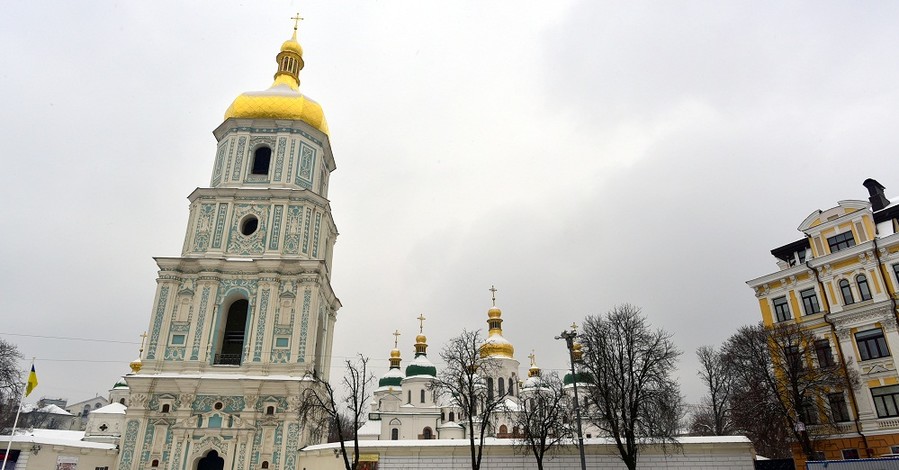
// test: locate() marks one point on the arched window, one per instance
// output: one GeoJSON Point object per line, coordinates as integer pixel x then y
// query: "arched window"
{"type": "Point", "coordinates": [270, 411]}
{"type": "Point", "coordinates": [166, 408]}
{"type": "Point", "coordinates": [122, 401]}
{"type": "Point", "coordinates": [265, 464]}
{"type": "Point", "coordinates": [155, 463]}
{"type": "Point", "coordinates": [501, 387]}
{"type": "Point", "coordinates": [87, 409]}
{"type": "Point", "coordinates": [408, 396]}
{"type": "Point", "coordinates": [515, 431]}
{"type": "Point", "coordinates": [512, 385]}
{"type": "Point", "coordinates": [261, 159]}
{"type": "Point", "coordinates": [863, 290]}
{"type": "Point", "coordinates": [452, 416]}
{"type": "Point", "coordinates": [394, 434]}
{"type": "Point", "coordinates": [503, 430]}
{"type": "Point", "coordinates": [489, 388]}
{"type": "Point", "coordinates": [230, 350]}
{"type": "Point", "coordinates": [427, 434]}
{"type": "Point", "coordinates": [422, 395]}
{"type": "Point", "coordinates": [847, 292]}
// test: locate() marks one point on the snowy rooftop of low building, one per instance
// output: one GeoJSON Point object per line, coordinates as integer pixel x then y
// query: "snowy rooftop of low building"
{"type": "Point", "coordinates": [370, 428]}
{"type": "Point", "coordinates": [491, 441]}
{"type": "Point", "coordinates": [49, 409]}
{"type": "Point", "coordinates": [56, 437]}
{"type": "Point", "coordinates": [112, 408]}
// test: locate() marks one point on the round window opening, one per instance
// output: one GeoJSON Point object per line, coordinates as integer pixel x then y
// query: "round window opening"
{"type": "Point", "coordinates": [249, 225]}
{"type": "Point", "coordinates": [218, 405]}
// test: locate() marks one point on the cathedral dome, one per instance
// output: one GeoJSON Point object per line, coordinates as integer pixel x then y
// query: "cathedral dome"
{"type": "Point", "coordinates": [292, 45]}
{"type": "Point", "coordinates": [393, 378]}
{"type": "Point", "coordinates": [496, 345]}
{"type": "Point", "coordinates": [582, 378]}
{"type": "Point", "coordinates": [283, 99]}
{"type": "Point", "coordinates": [421, 366]}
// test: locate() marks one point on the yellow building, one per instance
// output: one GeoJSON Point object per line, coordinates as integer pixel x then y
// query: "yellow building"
{"type": "Point", "coordinates": [839, 282]}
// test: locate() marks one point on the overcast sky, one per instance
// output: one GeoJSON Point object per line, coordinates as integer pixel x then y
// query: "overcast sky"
{"type": "Point", "coordinates": [576, 154]}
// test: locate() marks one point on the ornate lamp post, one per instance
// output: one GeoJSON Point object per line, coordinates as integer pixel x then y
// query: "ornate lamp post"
{"type": "Point", "coordinates": [575, 355]}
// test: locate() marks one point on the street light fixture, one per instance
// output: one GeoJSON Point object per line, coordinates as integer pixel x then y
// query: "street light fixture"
{"type": "Point", "coordinates": [575, 355]}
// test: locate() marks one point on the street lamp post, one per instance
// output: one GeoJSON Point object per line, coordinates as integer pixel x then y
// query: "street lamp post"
{"type": "Point", "coordinates": [569, 337]}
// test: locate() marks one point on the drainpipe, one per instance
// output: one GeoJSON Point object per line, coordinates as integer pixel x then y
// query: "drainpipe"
{"type": "Point", "coordinates": [833, 329]}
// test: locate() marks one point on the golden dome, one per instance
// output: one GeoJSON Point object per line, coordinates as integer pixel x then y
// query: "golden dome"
{"type": "Point", "coordinates": [283, 99]}
{"type": "Point", "coordinates": [494, 312]}
{"type": "Point", "coordinates": [493, 348]}
{"type": "Point", "coordinates": [292, 45]}
{"type": "Point", "coordinates": [136, 365]}
{"type": "Point", "coordinates": [496, 344]}
{"type": "Point", "coordinates": [394, 353]}
{"type": "Point", "coordinates": [421, 339]}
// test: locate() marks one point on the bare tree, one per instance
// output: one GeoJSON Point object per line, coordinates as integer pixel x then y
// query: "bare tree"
{"type": "Point", "coordinates": [544, 418]}
{"type": "Point", "coordinates": [797, 374]}
{"type": "Point", "coordinates": [10, 383]}
{"type": "Point", "coordinates": [462, 383]}
{"type": "Point", "coordinates": [714, 415]}
{"type": "Point", "coordinates": [345, 427]}
{"type": "Point", "coordinates": [320, 404]}
{"type": "Point", "coordinates": [634, 399]}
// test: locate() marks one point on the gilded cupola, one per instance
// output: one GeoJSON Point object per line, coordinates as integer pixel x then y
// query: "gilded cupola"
{"type": "Point", "coordinates": [283, 99]}
{"type": "Point", "coordinates": [421, 365]}
{"type": "Point", "coordinates": [496, 345]}
{"type": "Point", "coordinates": [394, 376]}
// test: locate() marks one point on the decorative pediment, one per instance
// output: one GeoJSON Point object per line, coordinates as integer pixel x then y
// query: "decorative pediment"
{"type": "Point", "coordinates": [208, 443]}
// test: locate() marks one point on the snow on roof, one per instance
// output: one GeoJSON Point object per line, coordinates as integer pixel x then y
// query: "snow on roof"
{"type": "Point", "coordinates": [492, 441]}
{"type": "Point", "coordinates": [112, 408]}
{"type": "Point", "coordinates": [49, 409]}
{"type": "Point", "coordinates": [56, 437]}
{"type": "Point", "coordinates": [370, 428]}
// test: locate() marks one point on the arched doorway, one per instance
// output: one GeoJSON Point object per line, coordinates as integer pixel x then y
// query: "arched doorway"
{"type": "Point", "coordinates": [212, 461]}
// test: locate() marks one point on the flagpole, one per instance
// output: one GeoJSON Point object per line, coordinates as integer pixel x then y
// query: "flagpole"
{"type": "Point", "coordinates": [16, 421]}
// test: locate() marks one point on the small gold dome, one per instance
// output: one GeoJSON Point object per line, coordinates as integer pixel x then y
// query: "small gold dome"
{"type": "Point", "coordinates": [394, 353]}
{"type": "Point", "coordinates": [136, 365]}
{"type": "Point", "coordinates": [421, 339]}
{"type": "Point", "coordinates": [292, 45]}
{"type": "Point", "coordinates": [494, 312]}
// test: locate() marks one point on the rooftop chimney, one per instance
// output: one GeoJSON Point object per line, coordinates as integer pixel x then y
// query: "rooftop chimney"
{"type": "Point", "coordinates": [875, 194]}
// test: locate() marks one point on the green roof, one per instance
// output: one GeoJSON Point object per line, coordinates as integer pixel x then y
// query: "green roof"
{"type": "Point", "coordinates": [582, 378]}
{"type": "Point", "coordinates": [390, 381]}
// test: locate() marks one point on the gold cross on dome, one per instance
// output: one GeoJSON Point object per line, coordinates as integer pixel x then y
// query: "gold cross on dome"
{"type": "Point", "coordinates": [296, 20]}
{"type": "Point", "coordinates": [533, 358]}
{"type": "Point", "coordinates": [396, 338]}
{"type": "Point", "coordinates": [143, 337]}
{"type": "Point", "coordinates": [421, 323]}
{"type": "Point", "coordinates": [574, 327]}
{"type": "Point", "coordinates": [493, 290]}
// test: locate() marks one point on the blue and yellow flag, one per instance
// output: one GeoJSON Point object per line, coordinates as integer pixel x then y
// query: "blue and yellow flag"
{"type": "Point", "coordinates": [32, 382]}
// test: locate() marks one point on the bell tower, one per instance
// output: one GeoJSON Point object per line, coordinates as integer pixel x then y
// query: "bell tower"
{"type": "Point", "coordinates": [245, 315]}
